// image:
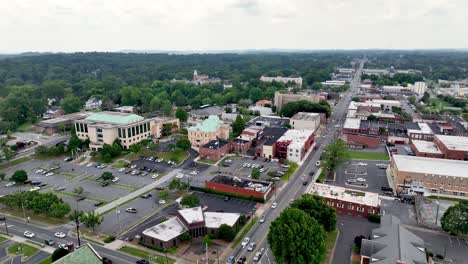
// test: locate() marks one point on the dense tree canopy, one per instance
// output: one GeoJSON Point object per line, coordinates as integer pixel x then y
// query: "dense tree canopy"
{"type": "Point", "coordinates": [316, 208]}
{"type": "Point", "coordinates": [455, 219]}
{"type": "Point", "coordinates": [334, 156]}
{"type": "Point", "coordinates": [190, 200]}
{"type": "Point", "coordinates": [295, 237]}
{"type": "Point", "coordinates": [291, 108]}
{"type": "Point", "coordinates": [19, 176]}
{"type": "Point", "coordinates": [45, 203]}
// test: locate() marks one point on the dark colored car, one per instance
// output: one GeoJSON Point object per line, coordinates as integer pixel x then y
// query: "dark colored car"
{"type": "Point", "coordinates": [104, 184]}
{"type": "Point", "coordinates": [142, 261]}
{"type": "Point", "coordinates": [98, 203]}
{"type": "Point", "coordinates": [146, 195]}
{"type": "Point", "coordinates": [81, 198]}
{"type": "Point", "coordinates": [227, 198]}
{"type": "Point", "coordinates": [106, 260]}
{"type": "Point", "coordinates": [242, 260]}
{"type": "Point", "coordinates": [304, 183]}
{"type": "Point", "coordinates": [43, 184]}
{"type": "Point", "coordinates": [49, 242]}
{"type": "Point", "coordinates": [2, 218]}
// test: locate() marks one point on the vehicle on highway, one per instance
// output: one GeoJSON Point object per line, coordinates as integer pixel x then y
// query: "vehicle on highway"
{"type": "Point", "coordinates": [258, 255]}
{"type": "Point", "coordinates": [29, 234]}
{"type": "Point", "coordinates": [115, 179]}
{"type": "Point", "coordinates": [242, 260]}
{"type": "Point", "coordinates": [262, 219]}
{"type": "Point", "coordinates": [60, 234]}
{"type": "Point", "coordinates": [162, 202]}
{"type": "Point", "coordinates": [10, 184]}
{"type": "Point", "coordinates": [146, 195]}
{"type": "Point", "coordinates": [131, 210]}
{"type": "Point", "coordinates": [231, 260]}
{"type": "Point", "coordinates": [317, 163]}
{"type": "Point", "coordinates": [362, 164]}
{"type": "Point", "coordinates": [251, 246]}
{"type": "Point", "coordinates": [104, 184]}
{"type": "Point", "coordinates": [245, 242]}
{"type": "Point", "coordinates": [49, 242]}
{"type": "Point", "coordinates": [98, 203]}
{"type": "Point", "coordinates": [155, 176]}
{"type": "Point", "coordinates": [60, 188]}
{"type": "Point", "coordinates": [36, 188]}
{"type": "Point", "coordinates": [142, 261]}
{"type": "Point", "coordinates": [274, 205]}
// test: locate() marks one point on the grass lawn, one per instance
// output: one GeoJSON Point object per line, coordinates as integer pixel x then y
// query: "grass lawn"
{"type": "Point", "coordinates": [178, 155]}
{"type": "Point", "coordinates": [26, 250]}
{"type": "Point", "coordinates": [368, 155]}
{"type": "Point", "coordinates": [3, 239]}
{"type": "Point", "coordinates": [119, 164]}
{"type": "Point", "coordinates": [207, 161]}
{"type": "Point", "coordinates": [51, 221]}
{"type": "Point", "coordinates": [140, 253]}
{"type": "Point", "coordinates": [47, 260]}
{"type": "Point", "coordinates": [244, 232]}
{"type": "Point", "coordinates": [322, 177]}
{"type": "Point", "coordinates": [331, 238]}
{"type": "Point", "coordinates": [291, 170]}
{"type": "Point", "coordinates": [80, 195]}
{"type": "Point", "coordinates": [26, 127]}
{"type": "Point", "coordinates": [14, 162]}
{"type": "Point", "coordinates": [452, 199]}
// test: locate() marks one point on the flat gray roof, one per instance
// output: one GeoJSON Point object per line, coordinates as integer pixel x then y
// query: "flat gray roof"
{"type": "Point", "coordinates": [423, 165]}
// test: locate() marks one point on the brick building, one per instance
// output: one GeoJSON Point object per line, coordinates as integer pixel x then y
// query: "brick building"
{"type": "Point", "coordinates": [240, 186]}
{"type": "Point", "coordinates": [294, 144]}
{"type": "Point", "coordinates": [423, 148]}
{"type": "Point", "coordinates": [215, 149]}
{"type": "Point", "coordinates": [346, 201]}
{"type": "Point", "coordinates": [453, 147]}
{"type": "Point", "coordinates": [266, 141]}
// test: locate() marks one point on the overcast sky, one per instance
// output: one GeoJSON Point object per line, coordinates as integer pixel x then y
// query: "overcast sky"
{"type": "Point", "coordinates": [112, 25]}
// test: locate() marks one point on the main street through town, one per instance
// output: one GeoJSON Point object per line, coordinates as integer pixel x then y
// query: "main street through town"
{"type": "Point", "coordinates": [294, 189]}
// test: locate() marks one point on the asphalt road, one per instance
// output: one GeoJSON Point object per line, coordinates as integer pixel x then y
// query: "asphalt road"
{"type": "Point", "coordinates": [294, 188]}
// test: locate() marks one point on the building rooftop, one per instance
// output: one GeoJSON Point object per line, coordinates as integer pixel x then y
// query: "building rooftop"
{"type": "Point", "coordinates": [352, 123]}
{"type": "Point", "coordinates": [82, 255]}
{"type": "Point", "coordinates": [382, 101]}
{"type": "Point", "coordinates": [192, 215]}
{"type": "Point", "coordinates": [296, 135]}
{"type": "Point", "coordinates": [215, 144]}
{"type": "Point", "coordinates": [306, 116]}
{"type": "Point", "coordinates": [262, 102]}
{"type": "Point", "coordinates": [268, 121]}
{"type": "Point", "coordinates": [215, 220]}
{"type": "Point", "coordinates": [454, 142]}
{"type": "Point", "coordinates": [426, 146]}
{"type": "Point", "coordinates": [259, 186]}
{"type": "Point", "coordinates": [347, 195]}
{"type": "Point", "coordinates": [208, 125]}
{"type": "Point", "coordinates": [114, 118]}
{"type": "Point", "coordinates": [432, 166]}
{"type": "Point", "coordinates": [207, 111]}
{"type": "Point", "coordinates": [167, 230]}
{"type": "Point", "coordinates": [392, 243]}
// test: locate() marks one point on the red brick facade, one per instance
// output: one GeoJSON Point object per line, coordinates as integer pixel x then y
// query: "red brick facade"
{"type": "Point", "coordinates": [450, 153]}
{"type": "Point", "coordinates": [352, 209]}
{"type": "Point", "coordinates": [362, 140]}
{"type": "Point", "coordinates": [425, 154]}
{"type": "Point", "coordinates": [236, 190]}
{"type": "Point", "coordinates": [214, 153]}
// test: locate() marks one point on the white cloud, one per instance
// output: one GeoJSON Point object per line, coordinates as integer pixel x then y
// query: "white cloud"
{"type": "Point", "coordinates": [86, 25]}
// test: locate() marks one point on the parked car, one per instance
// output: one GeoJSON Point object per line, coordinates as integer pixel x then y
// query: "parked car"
{"type": "Point", "coordinates": [63, 246]}
{"type": "Point", "coordinates": [10, 184]}
{"type": "Point", "coordinates": [131, 210]}
{"type": "Point", "coordinates": [155, 176]}
{"type": "Point", "coordinates": [29, 234]}
{"type": "Point", "coordinates": [162, 202]}
{"type": "Point", "coordinates": [121, 170]}
{"type": "Point", "coordinates": [49, 174]}
{"type": "Point", "coordinates": [305, 183]}
{"type": "Point", "coordinates": [115, 179]}
{"type": "Point", "coordinates": [98, 203]}
{"type": "Point", "coordinates": [60, 188]}
{"type": "Point", "coordinates": [258, 255]}
{"type": "Point", "coordinates": [242, 260]}
{"type": "Point", "coordinates": [231, 260]}
{"type": "Point", "coordinates": [81, 198]}
{"type": "Point", "coordinates": [142, 261]}
{"type": "Point", "coordinates": [104, 184]}
{"type": "Point", "coordinates": [60, 234]}
{"type": "Point", "coordinates": [226, 198]}
{"type": "Point", "coordinates": [146, 195]}
{"type": "Point", "coordinates": [89, 164]}
{"type": "Point", "coordinates": [36, 188]}
{"type": "Point", "coordinates": [49, 242]}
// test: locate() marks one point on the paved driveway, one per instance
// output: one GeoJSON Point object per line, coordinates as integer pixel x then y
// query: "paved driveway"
{"type": "Point", "coordinates": [375, 177]}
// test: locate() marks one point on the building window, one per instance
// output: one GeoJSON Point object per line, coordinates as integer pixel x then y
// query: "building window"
{"type": "Point", "coordinates": [350, 207]}
{"type": "Point", "coordinates": [137, 130]}
{"type": "Point", "coordinates": [123, 132]}
{"type": "Point", "coordinates": [340, 205]}
{"type": "Point", "coordinates": [360, 209]}
{"type": "Point", "coordinates": [77, 127]}
{"type": "Point", "coordinates": [85, 128]}
{"type": "Point", "coordinates": [119, 132]}
{"type": "Point", "coordinates": [129, 132]}
{"type": "Point", "coordinates": [371, 211]}
{"type": "Point", "coordinates": [81, 127]}
{"type": "Point", "coordinates": [133, 131]}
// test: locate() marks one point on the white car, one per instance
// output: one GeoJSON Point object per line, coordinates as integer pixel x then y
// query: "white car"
{"type": "Point", "coordinates": [116, 179]}
{"type": "Point", "coordinates": [262, 219]}
{"type": "Point", "coordinates": [89, 164]}
{"type": "Point", "coordinates": [245, 242]}
{"type": "Point", "coordinates": [37, 188]}
{"type": "Point", "coordinates": [39, 171]}
{"type": "Point", "coordinates": [60, 234]}
{"type": "Point", "coordinates": [179, 176]}
{"type": "Point", "coordinates": [155, 176]}
{"type": "Point", "coordinates": [258, 255]}
{"type": "Point", "coordinates": [362, 164]}
{"type": "Point", "coordinates": [10, 184]}
{"type": "Point", "coordinates": [317, 163]}
{"type": "Point", "coordinates": [351, 181]}
{"type": "Point", "coordinates": [162, 202]}
{"type": "Point", "coordinates": [360, 179]}
{"type": "Point", "coordinates": [29, 234]}
{"type": "Point", "coordinates": [193, 172]}
{"type": "Point", "coordinates": [121, 169]}
{"type": "Point", "coordinates": [274, 205]}
{"type": "Point", "coordinates": [49, 174]}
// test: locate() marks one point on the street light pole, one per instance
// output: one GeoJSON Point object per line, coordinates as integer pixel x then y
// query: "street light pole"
{"type": "Point", "coordinates": [118, 220]}
{"type": "Point", "coordinates": [24, 213]}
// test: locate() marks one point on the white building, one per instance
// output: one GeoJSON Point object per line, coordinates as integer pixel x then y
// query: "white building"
{"type": "Point", "coordinates": [297, 80]}
{"type": "Point", "coordinates": [334, 83]}
{"type": "Point", "coordinates": [419, 88]}
{"type": "Point", "coordinates": [303, 120]}
{"type": "Point", "coordinates": [93, 104]}
{"type": "Point", "coordinates": [298, 143]}
{"type": "Point", "coordinates": [386, 104]}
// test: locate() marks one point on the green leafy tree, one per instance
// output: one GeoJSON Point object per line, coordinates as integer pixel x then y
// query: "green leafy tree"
{"type": "Point", "coordinates": [58, 254]}
{"type": "Point", "coordinates": [2, 176]}
{"type": "Point", "coordinates": [75, 215]}
{"type": "Point", "coordinates": [334, 156]}
{"type": "Point", "coordinates": [166, 129]}
{"type": "Point", "coordinates": [181, 114]}
{"type": "Point", "coordinates": [19, 176]}
{"type": "Point", "coordinates": [71, 104]}
{"type": "Point", "coordinates": [185, 236]}
{"type": "Point", "coordinates": [91, 219]}
{"type": "Point", "coordinates": [225, 232]}
{"type": "Point", "coordinates": [190, 200]}
{"type": "Point", "coordinates": [207, 240]}
{"type": "Point", "coordinates": [8, 153]}
{"type": "Point", "coordinates": [372, 118]}
{"type": "Point", "coordinates": [255, 173]}
{"type": "Point", "coordinates": [356, 99]}
{"type": "Point", "coordinates": [291, 108]}
{"type": "Point", "coordinates": [412, 99]}
{"type": "Point", "coordinates": [238, 125]}
{"type": "Point", "coordinates": [183, 143]}
{"type": "Point", "coordinates": [455, 219]}
{"type": "Point", "coordinates": [46, 203]}
{"type": "Point", "coordinates": [163, 194]}
{"type": "Point", "coordinates": [174, 184]}
{"type": "Point", "coordinates": [295, 237]}
{"type": "Point", "coordinates": [315, 207]}
{"type": "Point", "coordinates": [107, 176]}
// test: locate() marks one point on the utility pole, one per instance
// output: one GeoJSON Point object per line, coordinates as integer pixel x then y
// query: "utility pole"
{"type": "Point", "coordinates": [24, 213]}
{"type": "Point", "coordinates": [437, 214]}
{"type": "Point", "coordinates": [77, 222]}
{"type": "Point", "coordinates": [118, 219]}
{"type": "Point", "coordinates": [6, 226]}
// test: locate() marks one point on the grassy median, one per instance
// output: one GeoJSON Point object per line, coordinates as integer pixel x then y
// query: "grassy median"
{"type": "Point", "coordinates": [368, 155]}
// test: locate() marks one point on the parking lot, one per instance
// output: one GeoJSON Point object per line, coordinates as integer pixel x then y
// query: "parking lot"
{"type": "Point", "coordinates": [242, 166]}
{"type": "Point", "coordinates": [217, 203]}
{"type": "Point", "coordinates": [362, 175]}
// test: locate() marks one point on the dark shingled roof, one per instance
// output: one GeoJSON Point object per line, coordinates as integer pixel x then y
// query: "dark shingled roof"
{"type": "Point", "coordinates": [215, 144]}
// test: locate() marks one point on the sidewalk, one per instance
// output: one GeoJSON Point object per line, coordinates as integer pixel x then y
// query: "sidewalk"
{"type": "Point", "coordinates": [136, 193]}
{"type": "Point", "coordinates": [19, 239]}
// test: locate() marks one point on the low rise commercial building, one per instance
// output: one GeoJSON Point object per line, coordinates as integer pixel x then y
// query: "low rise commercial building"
{"type": "Point", "coordinates": [453, 147]}
{"type": "Point", "coordinates": [193, 221]}
{"type": "Point", "coordinates": [240, 186]}
{"type": "Point", "coordinates": [443, 176]}
{"type": "Point", "coordinates": [206, 111]}
{"type": "Point", "coordinates": [347, 201]}
{"type": "Point", "coordinates": [59, 124]}
{"type": "Point", "coordinates": [266, 141]}
{"type": "Point", "coordinates": [303, 120]}
{"type": "Point", "coordinates": [294, 144]}
{"type": "Point", "coordinates": [207, 130]}
{"type": "Point", "coordinates": [426, 149]}
{"type": "Point", "coordinates": [333, 83]}
{"type": "Point", "coordinates": [215, 149]}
